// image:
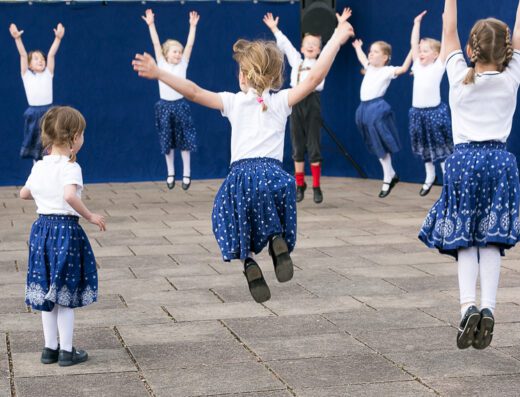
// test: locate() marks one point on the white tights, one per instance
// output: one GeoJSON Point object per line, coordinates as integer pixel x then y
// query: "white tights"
{"type": "Point", "coordinates": [59, 320]}
{"type": "Point", "coordinates": [186, 164]}
{"type": "Point", "coordinates": [388, 170]}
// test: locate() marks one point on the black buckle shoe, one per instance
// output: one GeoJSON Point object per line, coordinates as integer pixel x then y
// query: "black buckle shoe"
{"type": "Point", "coordinates": [484, 333]}
{"type": "Point", "coordinates": [66, 359]}
{"type": "Point", "coordinates": [424, 191]}
{"type": "Point", "coordinates": [300, 192]}
{"type": "Point", "coordinates": [282, 262]}
{"type": "Point", "coordinates": [256, 282]}
{"type": "Point", "coordinates": [50, 356]}
{"type": "Point", "coordinates": [318, 195]}
{"type": "Point", "coordinates": [172, 184]}
{"type": "Point", "coordinates": [467, 328]}
{"type": "Point", "coordinates": [393, 182]}
{"type": "Point", "coordinates": [186, 186]}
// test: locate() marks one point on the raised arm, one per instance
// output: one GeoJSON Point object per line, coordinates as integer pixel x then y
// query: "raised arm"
{"type": "Point", "coordinates": [146, 67]}
{"type": "Point", "coordinates": [516, 31]}
{"type": "Point", "coordinates": [149, 18]}
{"type": "Point", "coordinates": [318, 72]}
{"type": "Point", "coordinates": [449, 27]}
{"type": "Point", "coordinates": [361, 56]}
{"type": "Point", "coordinates": [17, 36]}
{"type": "Point", "coordinates": [405, 66]}
{"type": "Point", "coordinates": [59, 32]}
{"type": "Point", "coordinates": [284, 44]}
{"type": "Point", "coordinates": [194, 19]}
{"type": "Point", "coordinates": [416, 35]}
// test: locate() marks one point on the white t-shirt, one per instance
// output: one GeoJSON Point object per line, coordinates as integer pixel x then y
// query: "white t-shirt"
{"type": "Point", "coordinates": [482, 111]}
{"type": "Point", "coordinates": [165, 91]}
{"type": "Point", "coordinates": [255, 133]}
{"type": "Point", "coordinates": [376, 81]}
{"type": "Point", "coordinates": [38, 87]}
{"type": "Point", "coordinates": [427, 84]}
{"type": "Point", "coordinates": [47, 182]}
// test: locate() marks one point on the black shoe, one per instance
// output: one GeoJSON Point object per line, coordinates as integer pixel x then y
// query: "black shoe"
{"type": "Point", "coordinates": [186, 186]}
{"type": "Point", "coordinates": [300, 190]}
{"type": "Point", "coordinates": [393, 182]}
{"type": "Point", "coordinates": [467, 328]}
{"type": "Point", "coordinates": [283, 265]}
{"type": "Point", "coordinates": [74, 357]}
{"type": "Point", "coordinates": [255, 280]}
{"type": "Point", "coordinates": [424, 191]}
{"type": "Point", "coordinates": [50, 356]}
{"type": "Point", "coordinates": [172, 184]}
{"type": "Point", "coordinates": [318, 195]}
{"type": "Point", "coordinates": [484, 332]}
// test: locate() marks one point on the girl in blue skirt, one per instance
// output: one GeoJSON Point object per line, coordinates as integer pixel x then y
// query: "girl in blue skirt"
{"type": "Point", "coordinates": [476, 217]}
{"type": "Point", "coordinates": [430, 122]}
{"type": "Point", "coordinates": [256, 204]}
{"type": "Point", "coordinates": [375, 118]}
{"type": "Point", "coordinates": [61, 273]}
{"type": "Point", "coordinates": [37, 74]}
{"type": "Point", "coordinates": [172, 113]}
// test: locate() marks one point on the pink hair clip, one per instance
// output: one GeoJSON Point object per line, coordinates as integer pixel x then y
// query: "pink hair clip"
{"type": "Point", "coordinates": [260, 100]}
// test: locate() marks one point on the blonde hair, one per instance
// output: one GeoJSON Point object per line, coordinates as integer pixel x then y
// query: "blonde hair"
{"type": "Point", "coordinates": [262, 64]}
{"type": "Point", "coordinates": [169, 44]}
{"type": "Point", "coordinates": [60, 125]}
{"type": "Point", "coordinates": [490, 43]}
{"type": "Point", "coordinates": [435, 45]}
{"type": "Point", "coordinates": [385, 48]}
{"type": "Point", "coordinates": [31, 54]}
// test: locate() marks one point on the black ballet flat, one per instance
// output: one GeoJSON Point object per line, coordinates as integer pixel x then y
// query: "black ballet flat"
{"type": "Point", "coordinates": [282, 262]}
{"type": "Point", "coordinates": [300, 192]}
{"type": "Point", "coordinates": [170, 185]}
{"type": "Point", "coordinates": [186, 186]}
{"type": "Point", "coordinates": [393, 182]}
{"type": "Point", "coordinates": [484, 331]}
{"type": "Point", "coordinates": [318, 195]}
{"type": "Point", "coordinates": [424, 192]}
{"type": "Point", "coordinates": [467, 328]}
{"type": "Point", "coordinates": [256, 282]}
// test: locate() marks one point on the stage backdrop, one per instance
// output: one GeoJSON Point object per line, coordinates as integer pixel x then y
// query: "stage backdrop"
{"type": "Point", "coordinates": [93, 73]}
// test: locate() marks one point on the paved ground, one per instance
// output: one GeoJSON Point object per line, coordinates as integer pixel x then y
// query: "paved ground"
{"type": "Point", "coordinates": [370, 311]}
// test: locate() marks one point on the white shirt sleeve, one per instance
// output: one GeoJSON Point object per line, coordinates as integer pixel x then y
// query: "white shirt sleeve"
{"type": "Point", "coordinates": [513, 69]}
{"type": "Point", "coordinates": [284, 44]}
{"type": "Point", "coordinates": [28, 183]}
{"type": "Point", "coordinates": [228, 100]}
{"type": "Point", "coordinates": [391, 72]}
{"type": "Point", "coordinates": [281, 103]}
{"type": "Point", "coordinates": [456, 67]}
{"type": "Point", "coordinates": [71, 174]}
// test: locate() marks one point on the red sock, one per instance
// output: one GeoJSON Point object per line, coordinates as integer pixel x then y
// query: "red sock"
{"type": "Point", "coordinates": [300, 178]}
{"type": "Point", "coordinates": [316, 172]}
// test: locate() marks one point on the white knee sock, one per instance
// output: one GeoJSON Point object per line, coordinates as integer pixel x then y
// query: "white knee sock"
{"type": "Point", "coordinates": [468, 274]}
{"type": "Point", "coordinates": [443, 167]}
{"type": "Point", "coordinates": [186, 165]}
{"type": "Point", "coordinates": [489, 276]}
{"type": "Point", "coordinates": [65, 327]}
{"type": "Point", "coordinates": [169, 165]}
{"type": "Point", "coordinates": [50, 328]}
{"type": "Point", "coordinates": [388, 170]}
{"type": "Point", "coordinates": [430, 174]}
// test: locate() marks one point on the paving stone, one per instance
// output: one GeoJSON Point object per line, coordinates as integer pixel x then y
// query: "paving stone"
{"type": "Point", "coordinates": [20, 322]}
{"type": "Point", "coordinates": [3, 346]}
{"type": "Point", "coordinates": [134, 314]}
{"type": "Point", "coordinates": [502, 385]}
{"type": "Point", "coordinates": [314, 305]}
{"type": "Point", "coordinates": [173, 271]}
{"type": "Point", "coordinates": [278, 293]}
{"type": "Point", "coordinates": [5, 387]}
{"type": "Point", "coordinates": [387, 389]}
{"type": "Point", "coordinates": [278, 393]}
{"type": "Point", "coordinates": [218, 311]}
{"type": "Point", "coordinates": [12, 305]}
{"type": "Point", "coordinates": [128, 261]}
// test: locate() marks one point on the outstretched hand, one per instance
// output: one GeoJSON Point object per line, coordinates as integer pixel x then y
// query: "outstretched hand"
{"type": "Point", "coordinates": [271, 21]}
{"type": "Point", "coordinates": [145, 66]}
{"type": "Point", "coordinates": [59, 32]}
{"type": "Point", "coordinates": [98, 220]}
{"type": "Point", "coordinates": [194, 18]}
{"type": "Point", "coordinates": [149, 17]}
{"type": "Point", "coordinates": [358, 43]}
{"type": "Point", "coordinates": [419, 17]}
{"type": "Point", "coordinates": [346, 14]}
{"type": "Point", "coordinates": [15, 33]}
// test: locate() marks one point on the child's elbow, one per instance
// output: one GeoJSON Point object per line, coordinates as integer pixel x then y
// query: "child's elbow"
{"type": "Point", "coordinates": [69, 197]}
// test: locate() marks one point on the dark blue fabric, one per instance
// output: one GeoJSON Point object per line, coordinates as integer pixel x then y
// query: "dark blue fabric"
{"type": "Point", "coordinates": [32, 143]}
{"type": "Point", "coordinates": [62, 268]}
{"type": "Point", "coordinates": [479, 203]}
{"type": "Point", "coordinates": [430, 132]}
{"type": "Point", "coordinates": [174, 125]}
{"type": "Point", "coordinates": [256, 201]}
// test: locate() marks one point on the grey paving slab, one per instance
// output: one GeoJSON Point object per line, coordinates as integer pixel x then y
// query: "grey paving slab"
{"type": "Point", "coordinates": [5, 387]}
{"type": "Point", "coordinates": [12, 305]}
{"type": "Point", "coordinates": [278, 293]}
{"type": "Point", "coordinates": [218, 311]}
{"type": "Point", "coordinates": [314, 305]}
{"type": "Point", "coordinates": [387, 389]}
{"type": "Point", "coordinates": [20, 322]}
{"type": "Point", "coordinates": [502, 385]}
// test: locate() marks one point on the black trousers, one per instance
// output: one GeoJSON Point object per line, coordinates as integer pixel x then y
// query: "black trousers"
{"type": "Point", "coordinates": [306, 129]}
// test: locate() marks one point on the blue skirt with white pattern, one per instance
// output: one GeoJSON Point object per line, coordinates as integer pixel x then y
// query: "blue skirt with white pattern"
{"type": "Point", "coordinates": [256, 201]}
{"type": "Point", "coordinates": [62, 268]}
{"type": "Point", "coordinates": [479, 203]}
{"type": "Point", "coordinates": [175, 126]}
{"type": "Point", "coordinates": [375, 120]}
{"type": "Point", "coordinates": [32, 143]}
{"type": "Point", "coordinates": [430, 132]}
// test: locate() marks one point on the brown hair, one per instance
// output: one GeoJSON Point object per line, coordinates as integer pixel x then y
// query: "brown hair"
{"type": "Point", "coordinates": [490, 43]}
{"type": "Point", "coordinates": [169, 44]}
{"type": "Point", "coordinates": [261, 63]}
{"type": "Point", "coordinates": [60, 125]}
{"type": "Point", "coordinates": [31, 54]}
{"type": "Point", "coordinates": [435, 45]}
{"type": "Point", "coordinates": [313, 35]}
{"type": "Point", "coordinates": [385, 48]}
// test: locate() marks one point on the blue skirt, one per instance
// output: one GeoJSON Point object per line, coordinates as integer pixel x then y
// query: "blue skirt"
{"type": "Point", "coordinates": [430, 132]}
{"type": "Point", "coordinates": [256, 201]}
{"type": "Point", "coordinates": [175, 126]}
{"type": "Point", "coordinates": [32, 143]}
{"type": "Point", "coordinates": [479, 203]}
{"type": "Point", "coordinates": [376, 122]}
{"type": "Point", "coordinates": [62, 268]}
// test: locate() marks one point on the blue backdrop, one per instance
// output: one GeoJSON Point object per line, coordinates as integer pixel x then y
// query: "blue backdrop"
{"type": "Point", "coordinates": [93, 73]}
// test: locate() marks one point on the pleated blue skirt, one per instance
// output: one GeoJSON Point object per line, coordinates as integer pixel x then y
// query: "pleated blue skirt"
{"type": "Point", "coordinates": [32, 143]}
{"type": "Point", "coordinates": [479, 203]}
{"type": "Point", "coordinates": [256, 201]}
{"type": "Point", "coordinates": [62, 268]}
{"type": "Point", "coordinates": [175, 126]}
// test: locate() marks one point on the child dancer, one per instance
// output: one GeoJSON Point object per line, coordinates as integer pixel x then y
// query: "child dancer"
{"type": "Point", "coordinates": [430, 122]}
{"type": "Point", "coordinates": [306, 115]}
{"type": "Point", "coordinates": [62, 273]}
{"type": "Point", "coordinates": [374, 117]}
{"type": "Point", "coordinates": [37, 73]}
{"type": "Point", "coordinates": [476, 217]}
{"type": "Point", "coordinates": [172, 113]}
{"type": "Point", "coordinates": [256, 204]}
